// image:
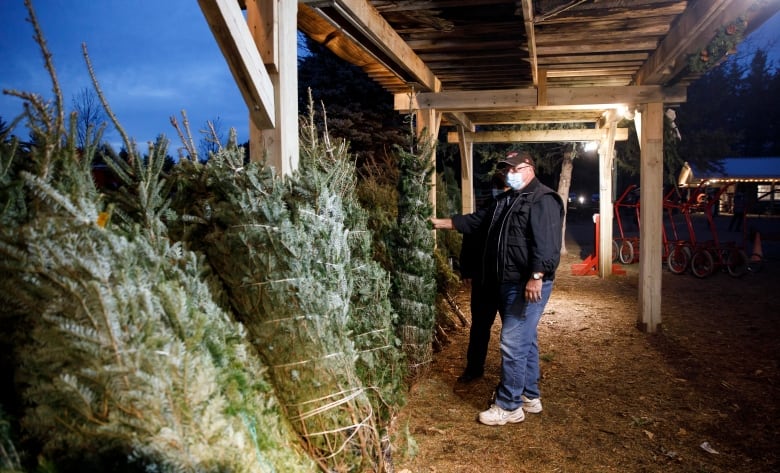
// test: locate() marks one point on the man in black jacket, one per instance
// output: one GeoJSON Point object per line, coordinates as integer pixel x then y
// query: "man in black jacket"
{"type": "Point", "coordinates": [522, 252]}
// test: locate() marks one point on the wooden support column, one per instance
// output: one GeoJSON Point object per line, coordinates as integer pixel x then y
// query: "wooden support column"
{"type": "Point", "coordinates": [273, 24]}
{"type": "Point", "coordinates": [428, 122]}
{"type": "Point", "coordinates": [466, 148]}
{"type": "Point", "coordinates": [651, 196]}
{"type": "Point", "coordinates": [606, 159]}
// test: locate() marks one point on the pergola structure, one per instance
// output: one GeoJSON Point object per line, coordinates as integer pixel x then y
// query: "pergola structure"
{"type": "Point", "coordinates": [467, 63]}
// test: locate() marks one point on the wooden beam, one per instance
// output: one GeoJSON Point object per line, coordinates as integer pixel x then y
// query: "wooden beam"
{"type": "Point", "coordinates": [534, 116]}
{"type": "Point", "coordinates": [530, 34]}
{"type": "Point", "coordinates": [541, 98]}
{"type": "Point", "coordinates": [586, 48]}
{"type": "Point", "coordinates": [597, 58]}
{"type": "Point", "coordinates": [611, 70]}
{"type": "Point", "coordinates": [229, 28]}
{"type": "Point", "coordinates": [363, 16]}
{"type": "Point", "coordinates": [408, 5]}
{"type": "Point", "coordinates": [570, 98]}
{"type": "Point", "coordinates": [537, 136]}
{"type": "Point", "coordinates": [460, 119]}
{"type": "Point", "coordinates": [692, 31]}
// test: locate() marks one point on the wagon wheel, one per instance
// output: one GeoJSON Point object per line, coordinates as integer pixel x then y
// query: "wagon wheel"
{"type": "Point", "coordinates": [736, 262]}
{"type": "Point", "coordinates": [678, 259]}
{"type": "Point", "coordinates": [626, 252]}
{"type": "Point", "coordinates": [702, 264]}
{"type": "Point", "coordinates": [615, 250]}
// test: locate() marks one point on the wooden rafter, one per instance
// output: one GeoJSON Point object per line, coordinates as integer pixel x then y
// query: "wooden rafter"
{"type": "Point", "coordinates": [573, 98]}
{"type": "Point", "coordinates": [368, 26]}
{"type": "Point", "coordinates": [536, 136]}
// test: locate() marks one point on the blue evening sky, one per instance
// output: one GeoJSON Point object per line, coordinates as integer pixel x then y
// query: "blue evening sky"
{"type": "Point", "coordinates": [154, 58]}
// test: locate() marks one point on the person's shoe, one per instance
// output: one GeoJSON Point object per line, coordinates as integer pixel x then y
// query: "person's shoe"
{"type": "Point", "coordinates": [498, 416]}
{"type": "Point", "coordinates": [468, 377]}
{"type": "Point", "coordinates": [533, 406]}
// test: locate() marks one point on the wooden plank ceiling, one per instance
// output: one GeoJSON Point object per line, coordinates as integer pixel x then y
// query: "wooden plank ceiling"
{"type": "Point", "coordinates": [484, 45]}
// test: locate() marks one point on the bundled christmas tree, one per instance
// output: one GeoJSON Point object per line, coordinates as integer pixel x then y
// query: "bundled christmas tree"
{"type": "Point", "coordinates": [281, 248]}
{"type": "Point", "coordinates": [129, 359]}
{"type": "Point", "coordinates": [414, 283]}
{"type": "Point", "coordinates": [448, 314]}
{"type": "Point", "coordinates": [325, 162]}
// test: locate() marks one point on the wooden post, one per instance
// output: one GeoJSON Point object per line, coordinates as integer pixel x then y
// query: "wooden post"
{"type": "Point", "coordinates": [275, 21]}
{"type": "Point", "coordinates": [606, 158]}
{"type": "Point", "coordinates": [651, 196]}
{"type": "Point", "coordinates": [466, 148]}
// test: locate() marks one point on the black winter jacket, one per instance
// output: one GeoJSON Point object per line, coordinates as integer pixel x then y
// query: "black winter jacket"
{"type": "Point", "coordinates": [524, 233]}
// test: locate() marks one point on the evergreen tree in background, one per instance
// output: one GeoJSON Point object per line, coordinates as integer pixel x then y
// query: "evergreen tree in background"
{"type": "Point", "coordinates": [759, 119]}
{"type": "Point", "coordinates": [448, 245]}
{"type": "Point", "coordinates": [730, 112]}
{"type": "Point", "coordinates": [414, 282]}
{"type": "Point", "coordinates": [709, 120]}
{"type": "Point", "coordinates": [359, 110]}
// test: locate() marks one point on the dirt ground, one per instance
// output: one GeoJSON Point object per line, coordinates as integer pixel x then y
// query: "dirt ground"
{"type": "Point", "coordinates": [699, 395]}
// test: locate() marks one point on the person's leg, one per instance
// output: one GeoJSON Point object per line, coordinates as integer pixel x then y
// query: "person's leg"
{"type": "Point", "coordinates": [532, 374]}
{"type": "Point", "coordinates": [483, 313]}
{"type": "Point", "coordinates": [519, 346]}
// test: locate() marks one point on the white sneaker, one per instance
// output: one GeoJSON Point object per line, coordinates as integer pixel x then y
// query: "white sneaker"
{"type": "Point", "coordinates": [533, 406]}
{"type": "Point", "coordinates": [498, 416]}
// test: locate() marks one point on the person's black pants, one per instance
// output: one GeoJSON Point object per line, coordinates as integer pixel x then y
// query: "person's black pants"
{"type": "Point", "coordinates": [484, 306]}
{"type": "Point", "coordinates": [737, 219]}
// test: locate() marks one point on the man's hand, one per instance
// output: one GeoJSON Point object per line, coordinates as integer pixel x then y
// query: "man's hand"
{"type": "Point", "coordinates": [533, 290]}
{"type": "Point", "coordinates": [442, 223]}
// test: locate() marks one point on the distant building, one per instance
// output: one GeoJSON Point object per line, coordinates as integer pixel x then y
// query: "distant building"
{"type": "Point", "coordinates": [756, 178]}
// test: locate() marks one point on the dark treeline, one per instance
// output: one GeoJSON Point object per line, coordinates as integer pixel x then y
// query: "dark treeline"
{"type": "Point", "coordinates": [732, 111]}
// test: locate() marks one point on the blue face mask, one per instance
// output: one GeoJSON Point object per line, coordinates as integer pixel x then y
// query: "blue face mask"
{"type": "Point", "coordinates": [515, 180]}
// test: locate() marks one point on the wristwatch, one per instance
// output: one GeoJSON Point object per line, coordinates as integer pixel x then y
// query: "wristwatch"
{"type": "Point", "coordinates": [537, 276]}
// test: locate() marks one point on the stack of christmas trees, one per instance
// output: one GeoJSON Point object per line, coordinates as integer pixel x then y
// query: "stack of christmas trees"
{"type": "Point", "coordinates": [215, 318]}
{"type": "Point", "coordinates": [124, 354]}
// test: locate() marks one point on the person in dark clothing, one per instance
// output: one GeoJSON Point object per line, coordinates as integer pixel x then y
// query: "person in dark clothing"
{"type": "Point", "coordinates": [738, 215]}
{"type": "Point", "coordinates": [522, 253]}
{"type": "Point", "coordinates": [483, 309]}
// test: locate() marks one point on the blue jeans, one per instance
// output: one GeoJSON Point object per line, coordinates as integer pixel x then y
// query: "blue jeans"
{"type": "Point", "coordinates": [519, 344]}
